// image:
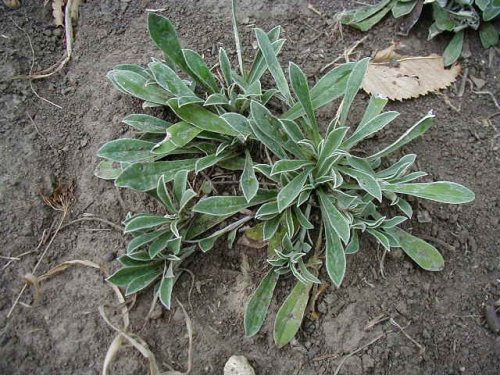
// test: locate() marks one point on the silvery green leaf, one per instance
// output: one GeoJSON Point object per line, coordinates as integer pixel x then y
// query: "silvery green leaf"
{"type": "Point", "coordinates": [178, 135]}
{"type": "Point", "coordinates": [237, 38]}
{"type": "Point", "coordinates": [256, 309]}
{"type": "Point", "coordinates": [398, 168]}
{"type": "Point", "coordinates": [106, 171]}
{"type": "Point", "coordinates": [225, 66]}
{"type": "Point", "coordinates": [379, 236]}
{"type": "Point", "coordinates": [442, 191]}
{"type": "Point", "coordinates": [291, 191]}
{"type": "Point", "coordinates": [226, 205]}
{"type": "Point", "coordinates": [248, 182]}
{"type": "Point", "coordinates": [238, 123]}
{"type": "Point", "coordinates": [143, 239]}
{"type": "Point", "coordinates": [259, 65]}
{"type": "Point", "coordinates": [125, 260]}
{"type": "Point", "coordinates": [488, 34]}
{"type": "Point", "coordinates": [265, 130]}
{"type": "Point", "coordinates": [491, 11]}
{"type": "Point", "coordinates": [290, 315]}
{"type": "Point", "coordinates": [187, 196]}
{"type": "Point", "coordinates": [145, 221]}
{"type": "Point", "coordinates": [422, 253]}
{"type": "Point", "coordinates": [254, 89]}
{"type": "Point", "coordinates": [290, 222]}
{"type": "Point", "coordinates": [331, 144]}
{"type": "Point", "coordinates": [136, 85]}
{"type": "Point", "coordinates": [454, 49]}
{"type": "Point", "coordinates": [216, 99]}
{"type": "Point", "coordinates": [144, 176]}
{"type": "Point", "coordinates": [185, 100]}
{"type": "Point", "coordinates": [165, 291]}
{"type": "Point", "coordinates": [394, 221]}
{"type": "Point", "coordinates": [125, 275]}
{"type": "Point", "coordinates": [301, 218]}
{"type": "Point", "coordinates": [267, 210]}
{"type": "Point", "coordinates": [270, 227]}
{"type": "Point", "coordinates": [147, 123]}
{"type": "Point", "coordinates": [365, 181]}
{"type": "Point", "coordinates": [143, 281]}
{"type": "Point", "coordinates": [159, 244]}
{"type": "Point", "coordinates": [308, 275]}
{"type": "Point", "coordinates": [301, 88]}
{"type": "Point", "coordinates": [202, 223]}
{"type": "Point", "coordinates": [409, 177]}
{"type": "Point", "coordinates": [283, 166]}
{"type": "Point", "coordinates": [353, 85]}
{"type": "Point", "coordinates": [208, 161]}
{"type": "Point", "coordinates": [200, 69]}
{"type": "Point", "coordinates": [292, 130]}
{"type": "Point", "coordinates": [136, 69]}
{"type": "Point", "coordinates": [169, 80]}
{"type": "Point", "coordinates": [353, 245]}
{"type": "Point", "coordinates": [164, 35]}
{"type": "Point", "coordinates": [335, 219]}
{"type": "Point", "coordinates": [268, 95]}
{"type": "Point", "coordinates": [402, 8]}
{"type": "Point", "coordinates": [371, 127]}
{"type": "Point", "coordinates": [180, 183]}
{"type": "Point", "coordinates": [434, 30]}
{"type": "Point", "coordinates": [126, 150]}
{"type": "Point", "coordinates": [331, 86]}
{"type": "Point", "coordinates": [415, 131]}
{"type": "Point", "coordinates": [365, 12]}
{"type": "Point", "coordinates": [142, 256]}
{"type": "Point", "coordinates": [303, 197]}
{"type": "Point", "coordinates": [334, 255]}
{"type": "Point", "coordinates": [375, 107]}
{"type": "Point", "coordinates": [200, 117]}
{"type": "Point", "coordinates": [377, 13]}
{"type": "Point", "coordinates": [273, 64]}
{"type": "Point", "coordinates": [405, 207]}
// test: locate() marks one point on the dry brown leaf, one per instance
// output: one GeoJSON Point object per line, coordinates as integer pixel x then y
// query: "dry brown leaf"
{"type": "Point", "coordinates": [65, 265]}
{"type": "Point", "coordinates": [408, 77]}
{"type": "Point", "coordinates": [58, 12]}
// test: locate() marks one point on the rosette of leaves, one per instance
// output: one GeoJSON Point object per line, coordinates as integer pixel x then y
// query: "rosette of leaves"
{"type": "Point", "coordinates": [306, 190]}
{"type": "Point", "coordinates": [448, 16]}
{"type": "Point", "coordinates": [323, 174]}
{"type": "Point", "coordinates": [214, 128]}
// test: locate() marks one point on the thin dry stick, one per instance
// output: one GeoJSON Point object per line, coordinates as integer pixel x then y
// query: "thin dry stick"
{"type": "Point", "coordinates": [68, 28]}
{"type": "Point", "coordinates": [64, 213]}
{"type": "Point", "coordinates": [394, 323]}
{"type": "Point", "coordinates": [490, 94]}
{"type": "Point", "coordinates": [94, 218]}
{"type": "Point", "coordinates": [32, 66]}
{"type": "Point", "coordinates": [345, 55]}
{"type": "Point", "coordinates": [342, 361]}
{"type": "Point", "coordinates": [189, 329]}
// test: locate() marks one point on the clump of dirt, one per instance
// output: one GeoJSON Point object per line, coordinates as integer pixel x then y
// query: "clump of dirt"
{"type": "Point", "coordinates": [440, 312]}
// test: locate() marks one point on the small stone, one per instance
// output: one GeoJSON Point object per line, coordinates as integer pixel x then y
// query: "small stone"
{"type": "Point", "coordinates": [424, 217]}
{"type": "Point", "coordinates": [238, 365]}
{"type": "Point", "coordinates": [478, 82]}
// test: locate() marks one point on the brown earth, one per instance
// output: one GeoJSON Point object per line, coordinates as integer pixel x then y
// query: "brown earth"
{"type": "Point", "coordinates": [64, 334]}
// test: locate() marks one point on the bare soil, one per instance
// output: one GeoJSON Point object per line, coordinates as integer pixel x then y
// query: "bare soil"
{"type": "Point", "coordinates": [64, 334]}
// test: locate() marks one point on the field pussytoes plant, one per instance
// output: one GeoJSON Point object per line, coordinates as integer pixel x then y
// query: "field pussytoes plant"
{"type": "Point", "coordinates": [454, 16]}
{"type": "Point", "coordinates": [303, 188]}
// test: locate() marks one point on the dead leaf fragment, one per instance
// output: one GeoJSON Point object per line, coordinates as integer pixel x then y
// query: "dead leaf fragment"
{"type": "Point", "coordinates": [398, 78]}
{"type": "Point", "coordinates": [57, 12]}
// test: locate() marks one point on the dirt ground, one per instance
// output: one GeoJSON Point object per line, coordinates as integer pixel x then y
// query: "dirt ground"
{"type": "Point", "coordinates": [441, 313]}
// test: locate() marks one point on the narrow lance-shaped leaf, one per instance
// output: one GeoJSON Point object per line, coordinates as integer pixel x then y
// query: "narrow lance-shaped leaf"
{"type": "Point", "coordinates": [353, 85]}
{"type": "Point", "coordinates": [164, 35]}
{"type": "Point", "coordinates": [147, 123]}
{"type": "Point", "coordinates": [454, 48]}
{"type": "Point", "coordinates": [169, 80]}
{"type": "Point", "coordinates": [136, 85]}
{"type": "Point", "coordinates": [375, 106]}
{"type": "Point", "coordinates": [178, 135]}
{"type": "Point", "coordinates": [301, 89]}
{"type": "Point", "coordinates": [200, 69]}
{"type": "Point", "coordinates": [227, 205]}
{"type": "Point", "coordinates": [144, 176]}
{"type": "Point", "coordinates": [291, 191]}
{"type": "Point", "coordinates": [415, 131]}
{"type": "Point", "coordinates": [442, 191]}
{"type": "Point", "coordinates": [248, 181]}
{"type": "Point", "coordinates": [290, 315]}
{"type": "Point", "coordinates": [237, 38]}
{"type": "Point", "coordinates": [422, 253]}
{"type": "Point", "coordinates": [165, 291]}
{"type": "Point", "coordinates": [336, 220]}
{"type": "Point", "coordinates": [256, 310]}
{"type": "Point", "coordinates": [201, 118]}
{"type": "Point", "coordinates": [142, 281]}
{"type": "Point", "coordinates": [273, 64]}
{"type": "Point", "coordinates": [107, 171]}
{"type": "Point", "coordinates": [334, 256]}
{"type": "Point", "coordinates": [376, 124]}
{"type": "Point", "coordinates": [126, 150]}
